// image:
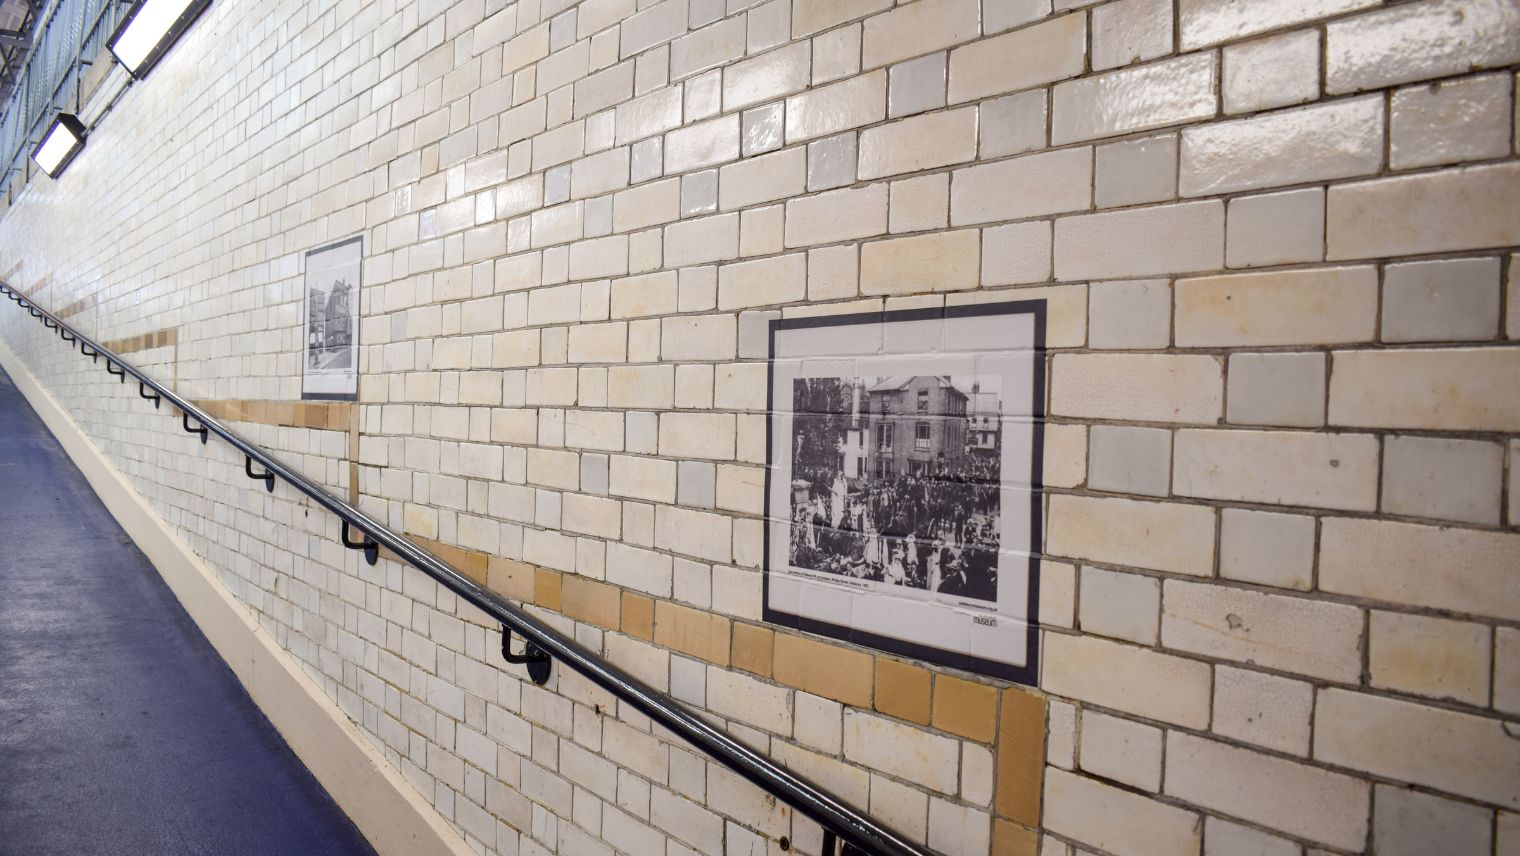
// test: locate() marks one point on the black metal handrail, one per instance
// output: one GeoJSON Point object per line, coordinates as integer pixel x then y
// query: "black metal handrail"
{"type": "Point", "coordinates": [855, 831]}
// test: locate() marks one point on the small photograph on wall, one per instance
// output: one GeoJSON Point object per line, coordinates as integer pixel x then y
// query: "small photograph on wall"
{"type": "Point", "coordinates": [330, 357]}
{"type": "Point", "coordinates": [903, 494]}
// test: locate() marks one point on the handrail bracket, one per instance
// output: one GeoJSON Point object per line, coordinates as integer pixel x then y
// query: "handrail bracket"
{"type": "Point", "coordinates": [267, 477]}
{"type": "Point", "coordinates": [369, 546]}
{"type": "Point", "coordinates": [535, 658]}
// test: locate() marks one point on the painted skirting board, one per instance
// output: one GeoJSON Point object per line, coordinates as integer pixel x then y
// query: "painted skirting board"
{"type": "Point", "coordinates": [382, 804]}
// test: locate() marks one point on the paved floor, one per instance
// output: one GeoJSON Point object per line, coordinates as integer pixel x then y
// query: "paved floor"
{"type": "Point", "coordinates": [121, 731]}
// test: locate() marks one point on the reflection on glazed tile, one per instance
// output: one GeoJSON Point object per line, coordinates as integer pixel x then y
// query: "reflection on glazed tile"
{"type": "Point", "coordinates": [1163, 93]}
{"type": "Point", "coordinates": [1449, 122]}
{"type": "Point", "coordinates": [916, 85]}
{"type": "Point", "coordinates": [1417, 41]}
{"type": "Point", "coordinates": [831, 162]}
{"type": "Point", "coordinates": [1342, 139]}
{"type": "Point", "coordinates": [1206, 22]}
{"type": "Point", "coordinates": [1272, 72]}
{"type": "Point", "coordinates": [762, 129]}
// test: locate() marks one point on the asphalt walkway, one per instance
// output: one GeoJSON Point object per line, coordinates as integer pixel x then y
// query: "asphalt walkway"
{"type": "Point", "coordinates": [121, 730]}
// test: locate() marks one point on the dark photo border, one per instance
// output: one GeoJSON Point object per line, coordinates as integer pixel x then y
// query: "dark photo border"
{"type": "Point", "coordinates": [1027, 674]}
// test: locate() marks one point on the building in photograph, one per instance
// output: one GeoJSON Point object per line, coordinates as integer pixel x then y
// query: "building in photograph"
{"type": "Point", "coordinates": [915, 424]}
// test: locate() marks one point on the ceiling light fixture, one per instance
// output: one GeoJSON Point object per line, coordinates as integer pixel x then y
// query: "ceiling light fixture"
{"type": "Point", "coordinates": [63, 140]}
{"type": "Point", "coordinates": [149, 29]}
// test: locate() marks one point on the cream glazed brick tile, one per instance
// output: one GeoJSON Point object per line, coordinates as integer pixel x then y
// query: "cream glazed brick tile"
{"type": "Point", "coordinates": [1164, 239]}
{"type": "Point", "coordinates": [1407, 823]}
{"type": "Point", "coordinates": [1120, 750]}
{"type": "Point", "coordinates": [1299, 307]}
{"type": "Point", "coordinates": [837, 215]}
{"type": "Point", "coordinates": [1273, 72]}
{"type": "Point", "coordinates": [1179, 388]}
{"type": "Point", "coordinates": [1126, 678]}
{"type": "Point", "coordinates": [1168, 92]}
{"type": "Point", "coordinates": [1000, 15]}
{"type": "Point", "coordinates": [1430, 657]}
{"type": "Point", "coordinates": [1514, 482]}
{"type": "Point", "coordinates": [1300, 800]}
{"type": "Point", "coordinates": [1206, 22]}
{"type": "Point", "coordinates": [1022, 187]}
{"type": "Point", "coordinates": [1292, 634]}
{"type": "Point", "coordinates": [837, 107]}
{"type": "Point", "coordinates": [1160, 536]}
{"type": "Point", "coordinates": [1392, 562]}
{"type": "Point", "coordinates": [779, 73]}
{"type": "Point", "coordinates": [1341, 139]}
{"type": "Point", "coordinates": [918, 143]}
{"type": "Point", "coordinates": [1016, 254]}
{"type": "Point", "coordinates": [1419, 42]}
{"type": "Point", "coordinates": [1337, 471]}
{"type": "Point", "coordinates": [1058, 594]}
{"type": "Point", "coordinates": [808, 18]}
{"type": "Point", "coordinates": [918, 28]}
{"type": "Point", "coordinates": [901, 750]}
{"type": "Point", "coordinates": [1406, 741]}
{"type": "Point", "coordinates": [939, 261]}
{"type": "Point", "coordinates": [1263, 710]}
{"type": "Point", "coordinates": [1433, 212]}
{"type": "Point", "coordinates": [1463, 389]}
{"type": "Point", "coordinates": [1117, 820]}
{"type": "Point", "coordinates": [1451, 121]}
{"type": "Point", "coordinates": [1033, 56]}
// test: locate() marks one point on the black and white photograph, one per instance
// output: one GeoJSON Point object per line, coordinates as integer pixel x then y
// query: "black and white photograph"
{"type": "Point", "coordinates": [330, 358]}
{"type": "Point", "coordinates": [897, 480]}
{"type": "Point", "coordinates": [902, 489]}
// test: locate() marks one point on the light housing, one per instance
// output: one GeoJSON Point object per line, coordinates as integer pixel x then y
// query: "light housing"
{"type": "Point", "coordinates": [63, 140]}
{"type": "Point", "coordinates": [148, 31]}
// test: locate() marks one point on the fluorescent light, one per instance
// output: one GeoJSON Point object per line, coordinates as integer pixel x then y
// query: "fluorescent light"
{"type": "Point", "coordinates": [149, 29]}
{"type": "Point", "coordinates": [62, 141]}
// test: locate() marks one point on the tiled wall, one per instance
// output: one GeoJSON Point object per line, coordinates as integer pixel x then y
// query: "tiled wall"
{"type": "Point", "coordinates": [1281, 591]}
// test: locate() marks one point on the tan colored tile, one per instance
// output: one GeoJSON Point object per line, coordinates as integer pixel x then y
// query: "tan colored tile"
{"type": "Point", "coordinates": [824, 669]}
{"type": "Point", "coordinates": [902, 690]}
{"type": "Point", "coordinates": [691, 631]}
{"type": "Point", "coordinates": [1021, 756]}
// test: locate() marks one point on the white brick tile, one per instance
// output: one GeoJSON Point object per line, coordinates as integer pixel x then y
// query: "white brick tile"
{"type": "Point", "coordinates": [918, 143]}
{"type": "Point", "coordinates": [1130, 32]}
{"type": "Point", "coordinates": [1459, 120]}
{"type": "Point", "coordinates": [1441, 301]}
{"type": "Point", "coordinates": [1442, 478]}
{"type": "Point", "coordinates": [1266, 548]}
{"type": "Point", "coordinates": [1123, 751]}
{"type": "Point", "coordinates": [1141, 387]}
{"type": "Point", "coordinates": [1406, 823]}
{"type": "Point", "coordinates": [1119, 605]}
{"type": "Point", "coordinates": [1137, 171]}
{"type": "Point", "coordinates": [1130, 314]}
{"type": "Point", "coordinates": [1276, 389]}
{"type": "Point", "coordinates": [901, 750]}
{"type": "Point", "coordinates": [1276, 228]}
{"type": "Point", "coordinates": [917, 29]}
{"type": "Point", "coordinates": [837, 107]}
{"type": "Point", "coordinates": [1273, 72]}
{"type": "Point", "coordinates": [1130, 460]}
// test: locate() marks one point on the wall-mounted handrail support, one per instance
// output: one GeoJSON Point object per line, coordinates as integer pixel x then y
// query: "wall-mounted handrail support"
{"type": "Point", "coordinates": [142, 390]}
{"type": "Point", "coordinates": [535, 658]}
{"type": "Point", "coordinates": [188, 430]}
{"type": "Point", "coordinates": [67, 336]}
{"type": "Point", "coordinates": [84, 349]}
{"type": "Point", "coordinates": [371, 548]}
{"type": "Point", "coordinates": [856, 831]}
{"type": "Point", "coordinates": [267, 477]}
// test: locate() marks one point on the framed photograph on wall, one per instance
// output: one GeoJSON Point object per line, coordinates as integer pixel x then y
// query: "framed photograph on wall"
{"type": "Point", "coordinates": [330, 354]}
{"type": "Point", "coordinates": [903, 482]}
